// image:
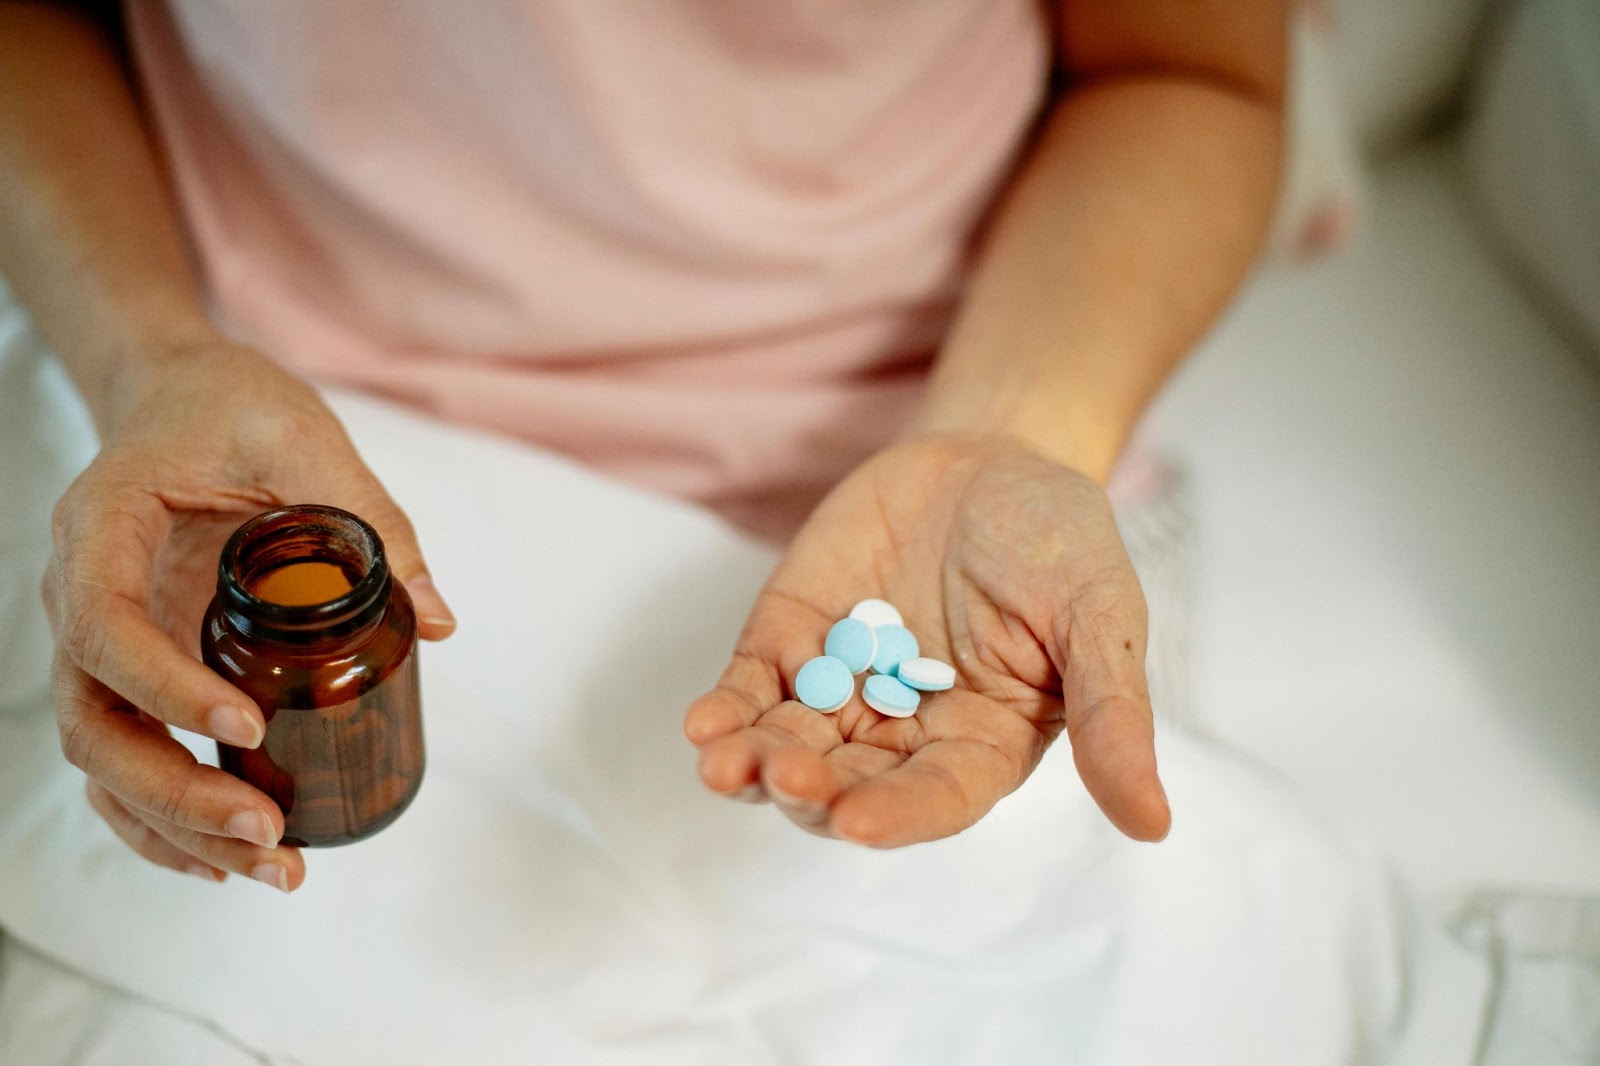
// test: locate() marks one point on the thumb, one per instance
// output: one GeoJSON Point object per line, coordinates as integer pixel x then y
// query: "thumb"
{"type": "Point", "coordinates": [435, 621]}
{"type": "Point", "coordinates": [1100, 653]}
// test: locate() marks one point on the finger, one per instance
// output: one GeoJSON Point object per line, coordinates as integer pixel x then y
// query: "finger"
{"type": "Point", "coordinates": [372, 502]}
{"type": "Point", "coordinates": [281, 867]}
{"type": "Point", "coordinates": [151, 773]}
{"type": "Point", "coordinates": [113, 640]}
{"type": "Point", "coordinates": [939, 791]}
{"type": "Point", "coordinates": [783, 632]}
{"type": "Point", "coordinates": [801, 777]}
{"type": "Point", "coordinates": [733, 762]}
{"type": "Point", "coordinates": [145, 841]}
{"type": "Point", "coordinates": [97, 599]}
{"type": "Point", "coordinates": [748, 689]}
{"type": "Point", "coordinates": [1107, 706]}
{"type": "Point", "coordinates": [1113, 746]}
{"type": "Point", "coordinates": [803, 784]}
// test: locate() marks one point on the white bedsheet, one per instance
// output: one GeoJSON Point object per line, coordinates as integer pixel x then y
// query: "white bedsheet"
{"type": "Point", "coordinates": [564, 889]}
{"type": "Point", "coordinates": [1396, 464]}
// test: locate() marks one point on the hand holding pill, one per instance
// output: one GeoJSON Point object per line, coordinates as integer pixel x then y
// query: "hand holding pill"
{"type": "Point", "coordinates": [853, 647]}
{"type": "Point", "coordinates": [996, 607]}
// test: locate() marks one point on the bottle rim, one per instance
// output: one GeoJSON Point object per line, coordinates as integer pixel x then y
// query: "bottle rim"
{"type": "Point", "coordinates": [317, 532]}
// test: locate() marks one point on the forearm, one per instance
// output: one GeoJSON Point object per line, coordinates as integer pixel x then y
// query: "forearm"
{"type": "Point", "coordinates": [90, 241]}
{"type": "Point", "coordinates": [1143, 205]}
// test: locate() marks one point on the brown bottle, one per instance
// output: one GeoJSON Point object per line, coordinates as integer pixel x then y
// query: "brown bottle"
{"type": "Point", "coordinates": [309, 624]}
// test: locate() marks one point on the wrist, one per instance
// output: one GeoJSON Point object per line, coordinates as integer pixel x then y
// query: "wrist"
{"type": "Point", "coordinates": [1080, 439]}
{"type": "Point", "coordinates": [114, 363]}
{"type": "Point", "coordinates": [139, 371]}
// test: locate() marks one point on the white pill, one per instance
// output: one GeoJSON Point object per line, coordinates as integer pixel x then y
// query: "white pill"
{"type": "Point", "coordinates": [927, 675]}
{"type": "Point", "coordinates": [877, 613]}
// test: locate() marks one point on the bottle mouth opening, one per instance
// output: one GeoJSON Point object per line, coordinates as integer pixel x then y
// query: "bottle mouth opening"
{"type": "Point", "coordinates": [356, 588]}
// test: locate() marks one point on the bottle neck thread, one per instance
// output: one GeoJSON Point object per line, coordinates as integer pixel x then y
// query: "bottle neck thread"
{"type": "Point", "coordinates": [303, 534]}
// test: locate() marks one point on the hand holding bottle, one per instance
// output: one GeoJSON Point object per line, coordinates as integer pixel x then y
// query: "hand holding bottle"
{"type": "Point", "coordinates": [202, 440]}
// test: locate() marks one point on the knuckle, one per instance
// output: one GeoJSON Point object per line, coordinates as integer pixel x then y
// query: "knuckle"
{"type": "Point", "coordinates": [170, 800]}
{"type": "Point", "coordinates": [98, 799]}
{"type": "Point", "coordinates": [157, 693]}
{"type": "Point", "coordinates": [98, 483]}
{"type": "Point", "coordinates": [377, 505]}
{"type": "Point", "coordinates": [400, 522]}
{"type": "Point", "coordinates": [399, 535]}
{"type": "Point", "coordinates": [1138, 608]}
{"type": "Point", "coordinates": [290, 416]}
{"type": "Point", "coordinates": [83, 635]}
{"type": "Point", "coordinates": [78, 742]}
{"type": "Point", "coordinates": [217, 851]}
{"type": "Point", "coordinates": [62, 516]}
{"type": "Point", "coordinates": [49, 598]}
{"type": "Point", "coordinates": [1111, 602]}
{"type": "Point", "coordinates": [259, 432]}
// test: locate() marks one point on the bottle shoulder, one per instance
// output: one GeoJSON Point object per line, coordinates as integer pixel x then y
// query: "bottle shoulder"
{"type": "Point", "coordinates": [316, 674]}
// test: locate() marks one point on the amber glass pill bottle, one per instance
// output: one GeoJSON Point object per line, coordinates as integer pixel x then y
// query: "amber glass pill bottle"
{"type": "Point", "coordinates": [309, 623]}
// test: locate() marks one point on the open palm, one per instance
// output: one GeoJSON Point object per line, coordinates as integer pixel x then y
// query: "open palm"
{"type": "Point", "coordinates": [1004, 564]}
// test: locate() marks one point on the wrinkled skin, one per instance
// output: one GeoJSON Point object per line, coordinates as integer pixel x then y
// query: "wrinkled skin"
{"type": "Point", "coordinates": [208, 440]}
{"type": "Point", "coordinates": [1005, 564]}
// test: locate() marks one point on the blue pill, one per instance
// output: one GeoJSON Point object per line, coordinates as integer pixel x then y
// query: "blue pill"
{"type": "Point", "coordinates": [895, 645]}
{"type": "Point", "coordinates": [888, 696]}
{"type": "Point", "coordinates": [851, 641]}
{"type": "Point", "coordinates": [824, 684]}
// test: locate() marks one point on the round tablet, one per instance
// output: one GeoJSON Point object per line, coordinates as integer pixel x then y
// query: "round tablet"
{"type": "Point", "coordinates": [895, 646]}
{"type": "Point", "coordinates": [877, 613]}
{"type": "Point", "coordinates": [851, 642]}
{"type": "Point", "coordinates": [926, 675]}
{"type": "Point", "coordinates": [887, 696]}
{"type": "Point", "coordinates": [824, 684]}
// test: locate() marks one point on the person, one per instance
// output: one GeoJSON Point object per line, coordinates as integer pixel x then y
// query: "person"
{"type": "Point", "coordinates": [888, 282]}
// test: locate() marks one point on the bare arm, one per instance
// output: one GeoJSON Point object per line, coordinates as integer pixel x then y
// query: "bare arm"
{"type": "Point", "coordinates": [89, 238]}
{"type": "Point", "coordinates": [197, 434]}
{"type": "Point", "coordinates": [1138, 212]}
{"type": "Point", "coordinates": [1141, 208]}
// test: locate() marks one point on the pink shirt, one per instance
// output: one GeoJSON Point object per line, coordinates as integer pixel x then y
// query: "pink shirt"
{"type": "Point", "coordinates": [707, 245]}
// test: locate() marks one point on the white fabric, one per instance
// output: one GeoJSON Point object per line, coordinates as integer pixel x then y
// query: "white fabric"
{"type": "Point", "coordinates": [1396, 464]}
{"type": "Point", "coordinates": [1320, 203]}
{"type": "Point", "coordinates": [51, 1015]}
{"type": "Point", "coordinates": [1546, 953]}
{"type": "Point", "coordinates": [1533, 155]}
{"type": "Point", "coordinates": [563, 886]}
{"type": "Point", "coordinates": [1404, 60]}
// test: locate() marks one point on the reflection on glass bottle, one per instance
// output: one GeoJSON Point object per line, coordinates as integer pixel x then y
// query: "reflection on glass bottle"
{"type": "Point", "coordinates": [309, 623]}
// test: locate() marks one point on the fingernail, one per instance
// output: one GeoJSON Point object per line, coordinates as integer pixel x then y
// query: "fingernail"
{"type": "Point", "coordinates": [270, 873]}
{"type": "Point", "coordinates": [431, 607]}
{"type": "Point", "coordinates": [202, 871]}
{"type": "Point", "coordinates": [234, 725]}
{"type": "Point", "coordinates": [253, 826]}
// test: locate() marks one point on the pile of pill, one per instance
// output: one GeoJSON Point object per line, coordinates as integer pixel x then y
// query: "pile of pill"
{"type": "Point", "coordinates": [874, 637]}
